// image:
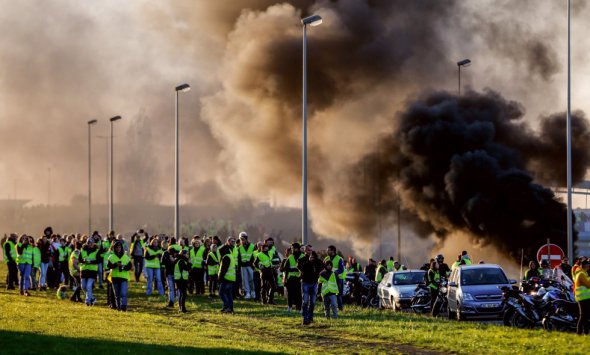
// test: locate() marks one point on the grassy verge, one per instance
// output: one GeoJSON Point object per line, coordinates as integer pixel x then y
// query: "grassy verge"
{"type": "Point", "coordinates": [42, 324]}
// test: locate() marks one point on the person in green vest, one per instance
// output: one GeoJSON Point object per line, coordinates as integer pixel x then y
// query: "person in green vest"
{"type": "Point", "coordinates": [181, 275]}
{"type": "Point", "coordinates": [197, 257]}
{"type": "Point", "coordinates": [329, 284]}
{"type": "Point", "coordinates": [89, 261]}
{"type": "Point", "coordinates": [74, 266]}
{"type": "Point", "coordinates": [381, 271]}
{"type": "Point", "coordinates": [264, 264]}
{"type": "Point", "coordinates": [582, 296]}
{"type": "Point", "coordinates": [465, 257]}
{"type": "Point", "coordinates": [433, 283]}
{"type": "Point", "coordinates": [36, 267]}
{"type": "Point", "coordinates": [24, 260]}
{"type": "Point", "coordinates": [227, 276]}
{"type": "Point", "coordinates": [339, 270]}
{"type": "Point", "coordinates": [119, 263]}
{"type": "Point", "coordinates": [9, 248]}
{"type": "Point", "coordinates": [213, 260]}
{"type": "Point", "coordinates": [390, 263]}
{"type": "Point", "coordinates": [245, 261]}
{"type": "Point", "coordinates": [138, 242]}
{"type": "Point", "coordinates": [276, 264]}
{"type": "Point", "coordinates": [257, 280]}
{"type": "Point", "coordinates": [153, 254]}
{"type": "Point", "coordinates": [293, 283]}
{"type": "Point", "coordinates": [62, 262]}
{"type": "Point", "coordinates": [532, 271]}
{"type": "Point", "coordinates": [168, 260]}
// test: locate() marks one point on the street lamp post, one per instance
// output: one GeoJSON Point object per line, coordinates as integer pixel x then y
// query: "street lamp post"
{"type": "Point", "coordinates": [313, 20]}
{"type": "Point", "coordinates": [111, 221]}
{"type": "Point", "coordinates": [90, 124]}
{"type": "Point", "coordinates": [462, 63]}
{"type": "Point", "coordinates": [570, 241]}
{"type": "Point", "coordinates": [179, 88]}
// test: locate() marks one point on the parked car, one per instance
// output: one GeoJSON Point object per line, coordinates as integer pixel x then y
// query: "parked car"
{"type": "Point", "coordinates": [397, 288]}
{"type": "Point", "coordinates": [474, 291]}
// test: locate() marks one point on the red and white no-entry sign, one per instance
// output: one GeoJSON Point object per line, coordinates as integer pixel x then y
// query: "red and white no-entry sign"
{"type": "Point", "coordinates": [551, 252]}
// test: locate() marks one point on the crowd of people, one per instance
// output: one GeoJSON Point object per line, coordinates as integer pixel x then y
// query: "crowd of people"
{"type": "Point", "coordinates": [226, 269]}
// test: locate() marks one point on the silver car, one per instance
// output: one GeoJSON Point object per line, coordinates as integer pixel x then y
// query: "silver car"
{"type": "Point", "coordinates": [397, 288]}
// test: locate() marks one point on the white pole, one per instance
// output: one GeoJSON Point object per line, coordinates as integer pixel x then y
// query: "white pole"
{"type": "Point", "coordinates": [176, 187]}
{"type": "Point", "coordinates": [570, 250]}
{"type": "Point", "coordinates": [111, 181]}
{"type": "Point", "coordinates": [304, 144]}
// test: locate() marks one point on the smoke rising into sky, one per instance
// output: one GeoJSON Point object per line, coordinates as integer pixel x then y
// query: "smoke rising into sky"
{"type": "Point", "coordinates": [65, 62]}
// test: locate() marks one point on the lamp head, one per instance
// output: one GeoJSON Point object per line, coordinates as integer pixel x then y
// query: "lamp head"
{"type": "Point", "coordinates": [183, 88]}
{"type": "Point", "coordinates": [464, 63]}
{"type": "Point", "coordinates": [313, 20]}
{"type": "Point", "coordinates": [116, 118]}
{"type": "Point", "coordinates": [92, 122]}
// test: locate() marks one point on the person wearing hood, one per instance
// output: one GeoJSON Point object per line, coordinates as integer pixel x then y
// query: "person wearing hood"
{"type": "Point", "coordinates": [293, 277]}
{"type": "Point", "coordinates": [119, 263]}
{"type": "Point", "coordinates": [9, 248]}
{"type": "Point", "coordinates": [181, 275]}
{"type": "Point", "coordinates": [227, 275]}
{"type": "Point", "coordinates": [24, 259]}
{"type": "Point", "coordinates": [89, 261]}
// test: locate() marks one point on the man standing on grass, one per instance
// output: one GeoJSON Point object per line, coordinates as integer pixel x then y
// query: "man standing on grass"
{"type": "Point", "coordinates": [310, 266]}
{"type": "Point", "coordinates": [264, 264]}
{"type": "Point", "coordinates": [227, 275]}
{"type": "Point", "coordinates": [9, 248]}
{"type": "Point", "coordinates": [293, 277]}
{"type": "Point", "coordinates": [246, 250]}
{"type": "Point", "coordinates": [329, 282]}
{"type": "Point", "coordinates": [338, 269]}
{"type": "Point", "coordinates": [181, 274]}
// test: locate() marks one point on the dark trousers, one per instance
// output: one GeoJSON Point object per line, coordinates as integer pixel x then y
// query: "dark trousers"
{"type": "Point", "coordinates": [258, 285]}
{"type": "Point", "coordinates": [12, 277]}
{"type": "Point", "coordinates": [340, 283]}
{"type": "Point", "coordinates": [584, 317]}
{"type": "Point", "coordinates": [198, 277]}
{"type": "Point", "coordinates": [181, 287]}
{"type": "Point", "coordinates": [65, 271]}
{"type": "Point", "coordinates": [77, 289]}
{"type": "Point", "coordinates": [212, 284]}
{"type": "Point", "coordinates": [269, 285]}
{"type": "Point", "coordinates": [433, 296]}
{"type": "Point", "coordinates": [294, 292]}
{"type": "Point", "coordinates": [138, 266]}
{"type": "Point", "coordinates": [226, 293]}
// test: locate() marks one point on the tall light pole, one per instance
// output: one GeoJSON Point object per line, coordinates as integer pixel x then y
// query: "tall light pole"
{"type": "Point", "coordinates": [90, 124]}
{"type": "Point", "coordinates": [313, 20]}
{"type": "Point", "coordinates": [570, 240]}
{"type": "Point", "coordinates": [179, 88]}
{"type": "Point", "coordinates": [111, 221]}
{"type": "Point", "coordinates": [462, 63]}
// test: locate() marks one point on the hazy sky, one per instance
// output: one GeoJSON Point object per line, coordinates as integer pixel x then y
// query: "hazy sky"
{"type": "Point", "coordinates": [66, 62]}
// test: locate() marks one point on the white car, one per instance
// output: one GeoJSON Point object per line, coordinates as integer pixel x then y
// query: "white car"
{"type": "Point", "coordinates": [397, 288]}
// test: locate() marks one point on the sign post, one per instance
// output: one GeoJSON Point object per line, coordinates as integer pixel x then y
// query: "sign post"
{"type": "Point", "coordinates": [551, 252]}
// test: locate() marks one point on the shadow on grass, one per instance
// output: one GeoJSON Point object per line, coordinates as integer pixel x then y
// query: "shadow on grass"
{"type": "Point", "coordinates": [30, 343]}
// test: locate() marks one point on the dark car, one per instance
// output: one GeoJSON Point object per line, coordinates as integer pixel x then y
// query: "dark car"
{"type": "Point", "coordinates": [473, 291]}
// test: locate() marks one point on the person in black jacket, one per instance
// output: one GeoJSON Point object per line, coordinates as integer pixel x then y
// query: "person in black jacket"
{"type": "Point", "coordinates": [10, 259]}
{"type": "Point", "coordinates": [227, 276]}
{"type": "Point", "coordinates": [168, 261]}
{"type": "Point", "coordinates": [310, 267]}
{"type": "Point", "coordinates": [264, 264]}
{"type": "Point", "coordinates": [180, 275]}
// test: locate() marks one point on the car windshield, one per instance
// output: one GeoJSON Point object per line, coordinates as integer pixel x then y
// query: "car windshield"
{"type": "Point", "coordinates": [483, 276]}
{"type": "Point", "coordinates": [408, 278]}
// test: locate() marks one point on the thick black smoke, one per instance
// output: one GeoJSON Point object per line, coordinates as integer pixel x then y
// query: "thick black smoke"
{"type": "Point", "coordinates": [462, 163]}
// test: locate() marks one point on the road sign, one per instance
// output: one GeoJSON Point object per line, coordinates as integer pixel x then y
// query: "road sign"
{"type": "Point", "coordinates": [551, 252]}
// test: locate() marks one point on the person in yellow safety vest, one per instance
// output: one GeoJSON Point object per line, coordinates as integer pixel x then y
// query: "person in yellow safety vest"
{"type": "Point", "coordinates": [465, 257]}
{"type": "Point", "coordinates": [257, 280]}
{"type": "Point", "coordinates": [381, 271]}
{"type": "Point", "coordinates": [24, 260]}
{"type": "Point", "coordinates": [9, 248]}
{"type": "Point", "coordinates": [36, 267]}
{"type": "Point", "coordinates": [152, 256]}
{"type": "Point", "coordinates": [289, 266]}
{"type": "Point", "coordinates": [433, 282]}
{"type": "Point", "coordinates": [275, 258]}
{"type": "Point", "coordinates": [119, 263]}
{"type": "Point", "coordinates": [62, 259]}
{"type": "Point", "coordinates": [104, 247]}
{"type": "Point", "coordinates": [197, 256]}
{"type": "Point", "coordinates": [74, 266]}
{"type": "Point", "coordinates": [338, 269]}
{"type": "Point", "coordinates": [264, 264]}
{"type": "Point", "coordinates": [582, 295]}
{"type": "Point", "coordinates": [213, 260]}
{"type": "Point", "coordinates": [389, 264]}
{"type": "Point", "coordinates": [227, 275]}
{"type": "Point", "coordinates": [136, 252]}
{"type": "Point", "coordinates": [245, 261]}
{"type": "Point", "coordinates": [89, 260]}
{"type": "Point", "coordinates": [330, 291]}
{"type": "Point", "coordinates": [181, 275]}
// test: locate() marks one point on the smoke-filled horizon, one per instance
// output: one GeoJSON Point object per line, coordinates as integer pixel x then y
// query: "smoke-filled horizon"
{"type": "Point", "coordinates": [66, 62]}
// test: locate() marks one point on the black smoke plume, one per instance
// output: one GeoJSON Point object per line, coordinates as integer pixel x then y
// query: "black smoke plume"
{"type": "Point", "coordinates": [463, 163]}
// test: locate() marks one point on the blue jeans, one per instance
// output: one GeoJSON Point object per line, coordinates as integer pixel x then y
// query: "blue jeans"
{"type": "Point", "coordinates": [226, 293]}
{"type": "Point", "coordinates": [34, 277]}
{"type": "Point", "coordinates": [331, 302]}
{"type": "Point", "coordinates": [87, 287]}
{"type": "Point", "coordinates": [120, 290]}
{"type": "Point", "coordinates": [248, 281]}
{"type": "Point", "coordinates": [340, 283]}
{"type": "Point", "coordinates": [171, 288]}
{"type": "Point", "coordinates": [309, 292]}
{"type": "Point", "coordinates": [43, 277]}
{"type": "Point", "coordinates": [151, 273]}
{"type": "Point", "coordinates": [100, 274]}
{"type": "Point", "coordinates": [25, 276]}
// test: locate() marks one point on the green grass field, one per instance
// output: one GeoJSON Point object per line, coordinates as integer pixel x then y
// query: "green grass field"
{"type": "Point", "coordinates": [41, 324]}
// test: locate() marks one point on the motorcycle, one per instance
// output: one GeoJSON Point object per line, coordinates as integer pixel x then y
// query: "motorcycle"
{"type": "Point", "coordinates": [441, 302]}
{"type": "Point", "coordinates": [420, 303]}
{"type": "Point", "coordinates": [369, 297]}
{"type": "Point", "coordinates": [520, 309]}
